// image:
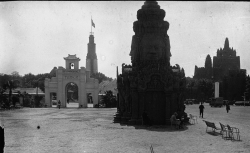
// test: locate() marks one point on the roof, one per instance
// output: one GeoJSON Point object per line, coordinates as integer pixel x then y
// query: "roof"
{"type": "Point", "coordinates": [108, 85]}
{"type": "Point", "coordinates": [71, 57]}
{"type": "Point", "coordinates": [27, 90]}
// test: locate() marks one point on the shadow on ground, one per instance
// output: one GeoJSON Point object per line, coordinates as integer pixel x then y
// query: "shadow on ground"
{"type": "Point", "coordinates": [214, 133]}
{"type": "Point", "coordinates": [159, 128]}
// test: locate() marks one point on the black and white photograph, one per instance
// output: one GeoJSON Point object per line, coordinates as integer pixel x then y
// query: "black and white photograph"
{"type": "Point", "coordinates": [124, 76]}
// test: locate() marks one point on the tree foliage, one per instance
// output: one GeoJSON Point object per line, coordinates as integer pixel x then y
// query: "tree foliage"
{"type": "Point", "coordinates": [14, 80]}
{"type": "Point", "coordinates": [100, 77]}
{"type": "Point", "coordinates": [200, 89]}
{"type": "Point", "coordinates": [109, 99]}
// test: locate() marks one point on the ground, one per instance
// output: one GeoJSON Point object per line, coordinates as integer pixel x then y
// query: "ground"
{"type": "Point", "coordinates": [91, 130]}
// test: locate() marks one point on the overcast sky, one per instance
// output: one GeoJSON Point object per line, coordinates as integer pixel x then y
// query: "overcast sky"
{"type": "Point", "coordinates": [35, 36]}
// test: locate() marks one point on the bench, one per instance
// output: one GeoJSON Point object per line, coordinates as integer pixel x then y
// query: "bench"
{"type": "Point", "coordinates": [211, 125]}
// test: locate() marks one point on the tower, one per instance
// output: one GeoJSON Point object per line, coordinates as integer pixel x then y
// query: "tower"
{"type": "Point", "coordinates": [72, 62]}
{"type": "Point", "coordinates": [208, 67]}
{"type": "Point", "coordinates": [150, 85]}
{"type": "Point", "coordinates": [225, 60]}
{"type": "Point", "coordinates": [91, 58]}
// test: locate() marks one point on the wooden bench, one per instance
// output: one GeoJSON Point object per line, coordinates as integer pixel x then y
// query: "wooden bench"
{"type": "Point", "coordinates": [211, 125]}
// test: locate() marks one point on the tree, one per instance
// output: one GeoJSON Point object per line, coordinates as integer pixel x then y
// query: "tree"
{"type": "Point", "coordinates": [28, 80]}
{"type": "Point", "coordinates": [109, 100]}
{"type": "Point", "coordinates": [10, 85]}
{"type": "Point", "coordinates": [205, 88]}
{"type": "Point", "coordinates": [100, 77]}
{"type": "Point", "coordinates": [191, 84]}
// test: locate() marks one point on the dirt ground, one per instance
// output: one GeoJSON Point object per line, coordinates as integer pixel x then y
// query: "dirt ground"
{"type": "Point", "coordinates": [92, 130]}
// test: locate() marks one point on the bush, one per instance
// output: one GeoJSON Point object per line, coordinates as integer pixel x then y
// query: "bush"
{"type": "Point", "coordinates": [109, 100]}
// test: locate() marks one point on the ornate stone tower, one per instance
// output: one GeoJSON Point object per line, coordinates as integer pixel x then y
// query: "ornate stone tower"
{"type": "Point", "coordinates": [91, 58]}
{"type": "Point", "coordinates": [150, 85]}
{"type": "Point", "coordinates": [225, 60]}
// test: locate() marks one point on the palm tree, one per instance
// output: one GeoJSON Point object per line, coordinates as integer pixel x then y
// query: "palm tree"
{"type": "Point", "coordinates": [11, 84]}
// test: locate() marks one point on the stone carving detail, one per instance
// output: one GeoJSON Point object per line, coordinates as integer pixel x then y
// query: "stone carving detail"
{"type": "Point", "coordinates": [155, 83]}
{"type": "Point", "coordinates": [71, 77]}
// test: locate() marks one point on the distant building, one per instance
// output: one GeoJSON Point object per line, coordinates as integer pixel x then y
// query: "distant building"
{"type": "Point", "coordinates": [225, 61]}
{"type": "Point", "coordinates": [71, 74]}
{"type": "Point", "coordinates": [204, 72]}
{"type": "Point", "coordinates": [32, 92]}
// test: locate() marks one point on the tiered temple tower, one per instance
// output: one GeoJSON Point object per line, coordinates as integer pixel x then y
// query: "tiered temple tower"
{"type": "Point", "coordinates": [91, 58]}
{"type": "Point", "coordinates": [150, 84]}
{"type": "Point", "coordinates": [225, 60]}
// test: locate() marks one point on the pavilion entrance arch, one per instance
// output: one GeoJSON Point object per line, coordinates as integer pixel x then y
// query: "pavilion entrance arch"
{"type": "Point", "coordinates": [71, 74]}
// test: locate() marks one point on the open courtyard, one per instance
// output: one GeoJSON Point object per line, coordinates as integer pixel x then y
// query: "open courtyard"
{"type": "Point", "coordinates": [91, 130]}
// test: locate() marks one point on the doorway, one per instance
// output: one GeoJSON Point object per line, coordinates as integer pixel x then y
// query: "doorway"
{"type": "Point", "coordinates": [72, 100]}
{"type": "Point", "coordinates": [53, 99]}
{"type": "Point", "coordinates": [90, 100]}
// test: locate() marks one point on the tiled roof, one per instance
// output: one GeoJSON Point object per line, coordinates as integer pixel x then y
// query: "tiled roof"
{"type": "Point", "coordinates": [27, 90]}
{"type": "Point", "coordinates": [71, 57]}
{"type": "Point", "coordinates": [108, 85]}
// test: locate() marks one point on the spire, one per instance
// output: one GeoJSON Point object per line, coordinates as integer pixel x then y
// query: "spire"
{"type": "Point", "coordinates": [208, 62]}
{"type": "Point", "coordinates": [226, 45]}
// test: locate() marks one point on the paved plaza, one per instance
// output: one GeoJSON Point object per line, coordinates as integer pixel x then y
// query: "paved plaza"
{"type": "Point", "coordinates": [91, 130]}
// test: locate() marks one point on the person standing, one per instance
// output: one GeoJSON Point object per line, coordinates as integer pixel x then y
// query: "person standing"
{"type": "Point", "coordinates": [201, 107]}
{"type": "Point", "coordinates": [32, 103]}
{"type": "Point", "coordinates": [145, 119]}
{"type": "Point", "coordinates": [227, 107]}
{"type": "Point", "coordinates": [59, 104]}
{"type": "Point", "coordinates": [68, 100]}
{"type": "Point", "coordinates": [2, 142]}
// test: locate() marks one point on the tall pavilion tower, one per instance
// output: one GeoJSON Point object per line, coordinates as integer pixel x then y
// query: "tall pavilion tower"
{"type": "Point", "coordinates": [91, 59]}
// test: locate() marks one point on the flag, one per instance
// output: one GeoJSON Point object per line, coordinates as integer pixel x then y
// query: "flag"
{"type": "Point", "coordinates": [92, 23]}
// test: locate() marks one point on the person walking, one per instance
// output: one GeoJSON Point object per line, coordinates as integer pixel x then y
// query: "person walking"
{"type": "Point", "coordinates": [201, 107]}
{"type": "Point", "coordinates": [227, 107]}
{"type": "Point", "coordinates": [59, 104]}
{"type": "Point", "coordinates": [2, 142]}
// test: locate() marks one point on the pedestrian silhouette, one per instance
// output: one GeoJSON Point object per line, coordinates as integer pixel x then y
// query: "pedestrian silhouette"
{"type": "Point", "coordinates": [59, 104]}
{"type": "Point", "coordinates": [227, 107]}
{"type": "Point", "coordinates": [201, 107]}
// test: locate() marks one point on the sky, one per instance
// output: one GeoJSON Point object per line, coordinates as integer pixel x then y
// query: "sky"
{"type": "Point", "coordinates": [36, 36]}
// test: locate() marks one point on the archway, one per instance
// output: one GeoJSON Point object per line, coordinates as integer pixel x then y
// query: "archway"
{"type": "Point", "coordinates": [71, 95]}
{"type": "Point", "coordinates": [53, 99]}
{"type": "Point", "coordinates": [90, 100]}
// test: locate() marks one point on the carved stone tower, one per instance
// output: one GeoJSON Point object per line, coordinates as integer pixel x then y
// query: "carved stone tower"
{"type": "Point", "coordinates": [225, 60]}
{"type": "Point", "coordinates": [150, 85]}
{"type": "Point", "coordinates": [91, 58]}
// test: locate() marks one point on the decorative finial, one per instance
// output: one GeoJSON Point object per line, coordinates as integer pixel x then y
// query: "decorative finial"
{"type": "Point", "coordinates": [226, 45]}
